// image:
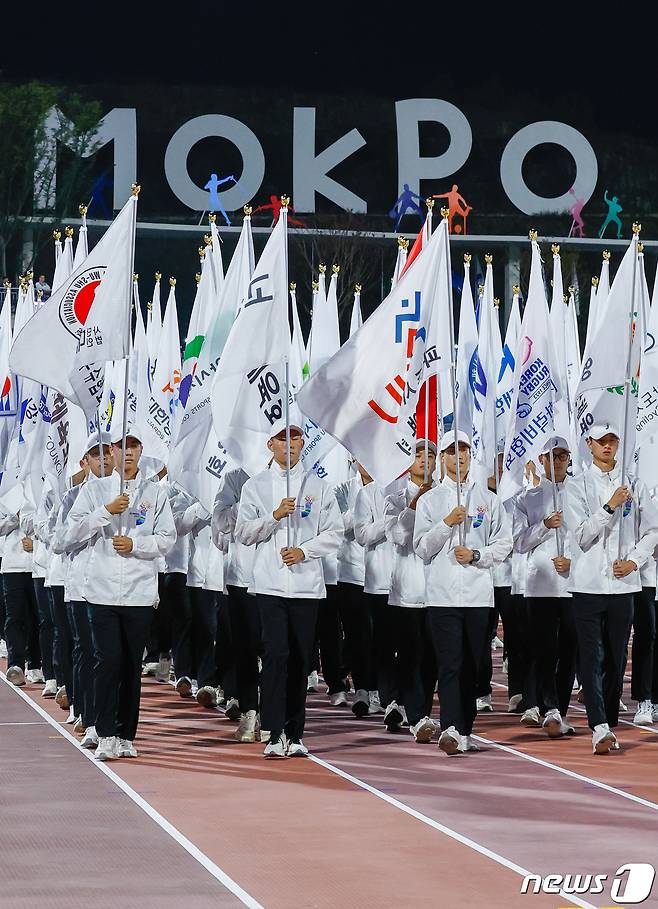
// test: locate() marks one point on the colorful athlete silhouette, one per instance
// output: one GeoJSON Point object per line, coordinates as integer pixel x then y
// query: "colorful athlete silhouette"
{"type": "Point", "coordinates": [275, 208]}
{"type": "Point", "coordinates": [97, 198]}
{"type": "Point", "coordinates": [405, 202]}
{"type": "Point", "coordinates": [577, 228]}
{"type": "Point", "coordinates": [612, 217]}
{"type": "Point", "coordinates": [214, 203]}
{"type": "Point", "coordinates": [457, 205]}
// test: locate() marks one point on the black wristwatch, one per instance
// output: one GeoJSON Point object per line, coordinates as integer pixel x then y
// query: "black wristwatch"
{"type": "Point", "coordinates": [476, 556]}
{"type": "Point", "coordinates": [607, 508]}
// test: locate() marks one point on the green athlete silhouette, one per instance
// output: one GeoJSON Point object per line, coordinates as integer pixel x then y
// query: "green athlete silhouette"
{"type": "Point", "coordinates": [614, 208]}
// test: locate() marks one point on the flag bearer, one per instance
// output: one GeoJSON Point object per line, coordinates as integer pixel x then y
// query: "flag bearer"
{"type": "Point", "coordinates": [288, 580]}
{"type": "Point", "coordinates": [459, 581]}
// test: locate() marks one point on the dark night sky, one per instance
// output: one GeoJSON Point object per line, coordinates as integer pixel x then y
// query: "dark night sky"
{"type": "Point", "coordinates": [359, 47]}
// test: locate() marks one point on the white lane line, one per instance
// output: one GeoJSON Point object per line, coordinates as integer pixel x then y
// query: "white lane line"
{"type": "Point", "coordinates": [162, 822]}
{"type": "Point", "coordinates": [35, 723]}
{"type": "Point", "coordinates": [460, 838]}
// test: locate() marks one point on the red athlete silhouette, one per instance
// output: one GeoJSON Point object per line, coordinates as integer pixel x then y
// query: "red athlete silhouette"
{"type": "Point", "coordinates": [275, 208]}
{"type": "Point", "coordinates": [457, 205]}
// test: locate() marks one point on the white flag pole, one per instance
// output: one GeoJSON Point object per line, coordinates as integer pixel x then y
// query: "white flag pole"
{"type": "Point", "coordinates": [555, 249]}
{"type": "Point", "coordinates": [124, 425]}
{"type": "Point", "coordinates": [627, 381]}
{"type": "Point", "coordinates": [430, 205]}
{"type": "Point", "coordinates": [285, 201]}
{"type": "Point", "coordinates": [453, 370]}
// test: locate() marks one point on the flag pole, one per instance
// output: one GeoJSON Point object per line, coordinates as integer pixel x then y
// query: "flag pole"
{"type": "Point", "coordinates": [627, 381]}
{"type": "Point", "coordinates": [555, 503]}
{"type": "Point", "coordinates": [453, 366]}
{"type": "Point", "coordinates": [135, 193]}
{"type": "Point", "coordinates": [285, 201]}
{"type": "Point", "coordinates": [430, 205]}
{"type": "Point", "coordinates": [98, 425]}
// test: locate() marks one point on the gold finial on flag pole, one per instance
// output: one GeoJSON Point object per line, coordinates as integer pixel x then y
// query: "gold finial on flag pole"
{"type": "Point", "coordinates": [358, 288]}
{"type": "Point", "coordinates": [640, 247]}
{"type": "Point", "coordinates": [555, 249]}
{"type": "Point", "coordinates": [57, 235]}
{"type": "Point", "coordinates": [83, 210]}
{"type": "Point", "coordinates": [293, 286]}
{"type": "Point", "coordinates": [212, 217]}
{"type": "Point", "coordinates": [172, 282]}
{"type": "Point", "coordinates": [571, 290]}
{"type": "Point", "coordinates": [7, 283]}
{"type": "Point", "coordinates": [158, 276]}
{"type": "Point", "coordinates": [532, 235]}
{"type": "Point", "coordinates": [496, 302]}
{"type": "Point", "coordinates": [68, 231]}
{"type": "Point", "coordinates": [480, 289]}
{"type": "Point", "coordinates": [488, 258]}
{"type": "Point", "coordinates": [467, 257]}
{"type": "Point", "coordinates": [39, 294]}
{"type": "Point", "coordinates": [202, 252]}
{"type": "Point", "coordinates": [314, 286]}
{"type": "Point", "coordinates": [606, 255]}
{"type": "Point", "coordinates": [322, 268]}
{"type": "Point", "coordinates": [135, 189]}
{"type": "Point", "coordinates": [595, 282]}
{"type": "Point", "coordinates": [335, 269]}
{"type": "Point", "coordinates": [637, 227]}
{"type": "Point", "coordinates": [430, 203]}
{"type": "Point", "coordinates": [445, 212]}
{"type": "Point", "coordinates": [516, 290]}
{"type": "Point", "coordinates": [197, 277]}
{"type": "Point", "coordinates": [29, 274]}
{"type": "Point", "coordinates": [403, 243]}
{"type": "Point", "coordinates": [565, 300]}
{"type": "Point", "coordinates": [285, 201]}
{"type": "Point", "coordinates": [207, 239]}
{"type": "Point", "coordinates": [247, 210]}
{"type": "Point", "coordinates": [135, 277]}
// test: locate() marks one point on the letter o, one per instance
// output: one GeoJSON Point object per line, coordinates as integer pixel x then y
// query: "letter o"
{"type": "Point", "coordinates": [555, 133]}
{"type": "Point", "coordinates": [187, 136]}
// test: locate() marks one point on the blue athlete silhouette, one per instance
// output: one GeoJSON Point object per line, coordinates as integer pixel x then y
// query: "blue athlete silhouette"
{"type": "Point", "coordinates": [612, 217]}
{"type": "Point", "coordinates": [97, 198]}
{"type": "Point", "coordinates": [214, 204]}
{"type": "Point", "coordinates": [404, 203]}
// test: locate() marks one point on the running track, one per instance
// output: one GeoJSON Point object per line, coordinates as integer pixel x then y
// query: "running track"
{"type": "Point", "coordinates": [372, 820]}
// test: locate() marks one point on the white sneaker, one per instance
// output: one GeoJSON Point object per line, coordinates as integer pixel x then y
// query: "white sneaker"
{"type": "Point", "coordinates": [89, 739]}
{"type": "Point", "coordinates": [207, 696]}
{"type": "Point", "coordinates": [313, 683]}
{"type": "Point", "coordinates": [423, 730]}
{"type": "Point", "coordinates": [338, 699]}
{"type": "Point", "coordinates": [484, 704]}
{"type": "Point", "coordinates": [553, 723]}
{"type": "Point", "coordinates": [567, 729]}
{"type": "Point", "coordinates": [514, 702]}
{"type": "Point", "coordinates": [497, 644]}
{"type": "Point", "coordinates": [297, 749]}
{"type": "Point", "coordinates": [277, 749]}
{"type": "Point", "coordinates": [79, 727]}
{"type": "Point", "coordinates": [3, 648]}
{"type": "Point", "coordinates": [531, 717]}
{"type": "Point", "coordinates": [232, 710]}
{"type": "Point", "coordinates": [72, 717]}
{"type": "Point", "coordinates": [16, 676]}
{"type": "Point", "coordinates": [361, 703]}
{"type": "Point", "coordinates": [622, 707]}
{"type": "Point", "coordinates": [654, 712]}
{"type": "Point", "coordinates": [450, 741]}
{"type": "Point", "coordinates": [644, 714]}
{"type": "Point", "coordinates": [150, 668]}
{"type": "Point", "coordinates": [602, 739]}
{"type": "Point", "coordinates": [163, 672]}
{"type": "Point", "coordinates": [62, 698]}
{"type": "Point", "coordinates": [50, 689]}
{"type": "Point", "coordinates": [246, 731]}
{"type": "Point", "coordinates": [394, 716]}
{"type": "Point", "coordinates": [184, 686]}
{"type": "Point", "coordinates": [505, 667]}
{"type": "Point", "coordinates": [264, 736]}
{"type": "Point", "coordinates": [468, 743]}
{"type": "Point", "coordinates": [125, 748]}
{"type": "Point", "coordinates": [107, 748]}
{"type": "Point", "coordinates": [221, 697]}
{"type": "Point", "coordinates": [34, 676]}
{"type": "Point", "coordinates": [374, 704]}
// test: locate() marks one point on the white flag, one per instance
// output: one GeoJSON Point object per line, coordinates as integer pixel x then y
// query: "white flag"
{"type": "Point", "coordinates": [366, 395]}
{"type": "Point", "coordinates": [467, 342]}
{"type": "Point", "coordinates": [356, 319]}
{"type": "Point", "coordinates": [166, 379]}
{"type": "Point", "coordinates": [64, 264]}
{"type": "Point", "coordinates": [86, 320]}
{"type": "Point", "coordinates": [248, 393]}
{"type": "Point", "coordinates": [154, 322]}
{"type": "Point", "coordinates": [400, 261]}
{"type": "Point", "coordinates": [534, 389]}
{"type": "Point", "coordinates": [507, 367]}
{"type": "Point", "coordinates": [9, 390]}
{"type": "Point", "coordinates": [557, 321]}
{"type": "Point", "coordinates": [298, 363]}
{"type": "Point", "coordinates": [82, 247]}
{"type": "Point", "coordinates": [486, 367]}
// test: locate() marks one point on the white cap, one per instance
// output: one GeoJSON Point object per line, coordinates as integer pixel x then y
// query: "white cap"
{"type": "Point", "coordinates": [133, 431]}
{"type": "Point", "coordinates": [96, 439]}
{"type": "Point", "coordinates": [449, 439]}
{"type": "Point", "coordinates": [555, 442]}
{"type": "Point", "coordinates": [602, 429]}
{"type": "Point", "coordinates": [420, 443]}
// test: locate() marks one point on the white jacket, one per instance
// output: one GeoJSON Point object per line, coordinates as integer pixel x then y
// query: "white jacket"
{"type": "Point", "coordinates": [315, 527]}
{"type": "Point", "coordinates": [74, 556]}
{"type": "Point", "coordinates": [113, 579]}
{"type": "Point", "coordinates": [240, 561]}
{"type": "Point", "coordinates": [537, 544]}
{"type": "Point", "coordinates": [13, 528]}
{"type": "Point", "coordinates": [408, 574]}
{"type": "Point", "coordinates": [205, 567]}
{"type": "Point", "coordinates": [176, 560]}
{"type": "Point", "coordinates": [370, 532]}
{"type": "Point", "coordinates": [351, 557]}
{"type": "Point", "coordinates": [487, 528]}
{"type": "Point", "coordinates": [596, 533]}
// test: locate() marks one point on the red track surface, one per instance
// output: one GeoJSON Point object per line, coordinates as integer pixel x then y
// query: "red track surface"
{"type": "Point", "coordinates": [298, 834]}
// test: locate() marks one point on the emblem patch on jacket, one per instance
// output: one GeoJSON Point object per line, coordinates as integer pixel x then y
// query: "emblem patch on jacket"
{"type": "Point", "coordinates": [481, 511]}
{"type": "Point", "coordinates": [141, 512]}
{"type": "Point", "coordinates": [628, 504]}
{"type": "Point", "coordinates": [306, 507]}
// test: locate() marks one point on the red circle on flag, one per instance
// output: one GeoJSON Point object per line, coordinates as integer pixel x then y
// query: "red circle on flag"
{"type": "Point", "coordinates": [6, 388]}
{"type": "Point", "coordinates": [83, 300]}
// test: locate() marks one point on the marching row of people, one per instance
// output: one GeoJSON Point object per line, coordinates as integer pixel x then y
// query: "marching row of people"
{"type": "Point", "coordinates": [396, 592]}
